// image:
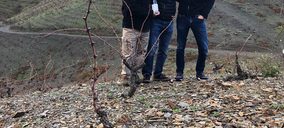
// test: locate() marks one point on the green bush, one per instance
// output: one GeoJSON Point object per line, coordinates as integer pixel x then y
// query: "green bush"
{"type": "Point", "coordinates": [269, 67]}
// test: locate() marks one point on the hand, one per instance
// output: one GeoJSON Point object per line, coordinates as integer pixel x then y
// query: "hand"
{"type": "Point", "coordinates": [200, 17]}
{"type": "Point", "coordinates": [156, 13]}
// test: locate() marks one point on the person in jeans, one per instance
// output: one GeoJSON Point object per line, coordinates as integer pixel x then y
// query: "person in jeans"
{"type": "Point", "coordinates": [161, 24]}
{"type": "Point", "coordinates": [192, 14]}
{"type": "Point", "coordinates": [135, 34]}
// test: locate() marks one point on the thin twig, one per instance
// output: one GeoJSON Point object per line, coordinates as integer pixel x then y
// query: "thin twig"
{"type": "Point", "coordinates": [158, 38]}
{"type": "Point", "coordinates": [147, 18]}
{"type": "Point", "coordinates": [244, 44]}
{"type": "Point", "coordinates": [112, 47]}
{"type": "Point", "coordinates": [45, 73]}
{"type": "Point", "coordinates": [105, 21]}
{"type": "Point", "coordinates": [130, 13]}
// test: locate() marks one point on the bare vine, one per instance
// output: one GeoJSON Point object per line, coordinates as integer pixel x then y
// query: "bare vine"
{"type": "Point", "coordinates": [241, 74]}
{"type": "Point", "coordinates": [100, 112]}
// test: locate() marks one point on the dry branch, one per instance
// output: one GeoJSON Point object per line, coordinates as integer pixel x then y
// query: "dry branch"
{"type": "Point", "coordinates": [241, 74]}
{"type": "Point", "coordinates": [97, 72]}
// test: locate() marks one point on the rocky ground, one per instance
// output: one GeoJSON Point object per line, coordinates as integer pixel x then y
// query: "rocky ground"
{"type": "Point", "coordinates": [250, 103]}
{"type": "Point", "coordinates": [27, 101]}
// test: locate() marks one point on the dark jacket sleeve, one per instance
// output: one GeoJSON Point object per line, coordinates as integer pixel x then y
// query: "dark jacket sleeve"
{"type": "Point", "coordinates": [207, 6]}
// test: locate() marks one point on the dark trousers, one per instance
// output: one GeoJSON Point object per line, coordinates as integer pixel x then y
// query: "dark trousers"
{"type": "Point", "coordinates": [161, 44]}
{"type": "Point", "coordinates": [198, 27]}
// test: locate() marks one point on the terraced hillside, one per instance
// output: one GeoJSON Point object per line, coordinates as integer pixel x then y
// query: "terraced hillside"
{"type": "Point", "coordinates": [230, 23]}
{"type": "Point", "coordinates": [62, 14]}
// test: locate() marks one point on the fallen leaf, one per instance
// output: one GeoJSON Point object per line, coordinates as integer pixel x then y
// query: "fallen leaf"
{"type": "Point", "coordinates": [151, 112]}
{"type": "Point", "coordinates": [241, 114]}
{"type": "Point", "coordinates": [236, 97]}
{"type": "Point", "coordinates": [189, 101]}
{"type": "Point", "coordinates": [202, 114]}
{"type": "Point", "coordinates": [171, 104]}
{"type": "Point", "coordinates": [159, 113]}
{"type": "Point", "coordinates": [267, 89]}
{"type": "Point", "coordinates": [100, 126]}
{"type": "Point", "coordinates": [178, 118]}
{"type": "Point", "coordinates": [123, 119]}
{"type": "Point", "coordinates": [229, 84]}
{"type": "Point", "coordinates": [242, 83]}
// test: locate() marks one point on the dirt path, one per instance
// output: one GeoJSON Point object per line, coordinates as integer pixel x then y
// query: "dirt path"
{"type": "Point", "coordinates": [6, 29]}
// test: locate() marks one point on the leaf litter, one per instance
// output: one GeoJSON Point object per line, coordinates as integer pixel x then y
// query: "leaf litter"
{"type": "Point", "coordinates": [190, 103]}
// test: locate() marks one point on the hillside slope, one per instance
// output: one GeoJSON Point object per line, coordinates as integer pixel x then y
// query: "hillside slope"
{"type": "Point", "coordinates": [230, 23]}
{"type": "Point", "coordinates": [61, 14]}
{"type": "Point", "coordinates": [9, 8]}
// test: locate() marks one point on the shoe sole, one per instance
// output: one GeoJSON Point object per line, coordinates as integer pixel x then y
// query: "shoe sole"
{"type": "Point", "coordinates": [179, 79]}
{"type": "Point", "coordinates": [199, 79]}
{"type": "Point", "coordinates": [146, 81]}
{"type": "Point", "coordinates": [162, 80]}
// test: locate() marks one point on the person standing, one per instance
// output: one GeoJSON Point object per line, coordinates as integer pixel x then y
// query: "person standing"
{"type": "Point", "coordinates": [192, 14]}
{"type": "Point", "coordinates": [162, 25]}
{"type": "Point", "coordinates": [135, 34]}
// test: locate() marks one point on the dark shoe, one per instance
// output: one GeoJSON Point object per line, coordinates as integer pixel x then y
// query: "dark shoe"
{"type": "Point", "coordinates": [124, 79]}
{"type": "Point", "coordinates": [201, 77]}
{"type": "Point", "coordinates": [161, 77]}
{"type": "Point", "coordinates": [146, 79]}
{"type": "Point", "coordinates": [179, 77]}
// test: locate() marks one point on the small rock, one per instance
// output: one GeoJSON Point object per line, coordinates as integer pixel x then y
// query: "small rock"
{"type": "Point", "coordinates": [138, 117]}
{"type": "Point", "coordinates": [167, 115]}
{"type": "Point", "coordinates": [14, 126]}
{"type": "Point", "coordinates": [44, 114]}
{"type": "Point", "coordinates": [20, 114]}
{"type": "Point", "coordinates": [205, 96]}
{"type": "Point", "coordinates": [187, 118]}
{"type": "Point", "coordinates": [183, 105]}
{"type": "Point", "coordinates": [202, 122]}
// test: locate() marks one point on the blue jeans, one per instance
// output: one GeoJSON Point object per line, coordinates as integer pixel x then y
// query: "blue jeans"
{"type": "Point", "coordinates": [198, 28]}
{"type": "Point", "coordinates": [162, 44]}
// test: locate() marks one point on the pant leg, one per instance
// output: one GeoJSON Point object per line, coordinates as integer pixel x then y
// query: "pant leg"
{"type": "Point", "coordinates": [155, 30]}
{"type": "Point", "coordinates": [165, 40]}
{"type": "Point", "coordinates": [129, 39]}
{"type": "Point", "coordinates": [199, 30]}
{"type": "Point", "coordinates": [141, 48]}
{"type": "Point", "coordinates": [183, 25]}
